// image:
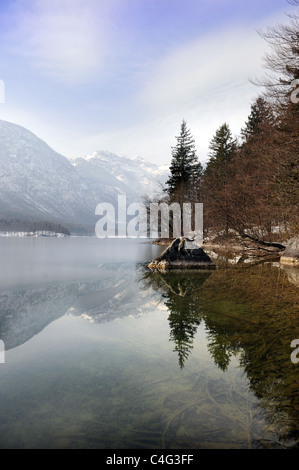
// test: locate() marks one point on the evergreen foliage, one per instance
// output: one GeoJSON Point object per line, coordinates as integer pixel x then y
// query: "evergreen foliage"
{"type": "Point", "coordinates": [261, 114]}
{"type": "Point", "coordinates": [252, 189]}
{"type": "Point", "coordinates": [185, 169]}
{"type": "Point", "coordinates": [222, 147]}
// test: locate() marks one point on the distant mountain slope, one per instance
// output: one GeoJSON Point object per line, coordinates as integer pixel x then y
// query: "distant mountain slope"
{"type": "Point", "coordinates": [133, 177]}
{"type": "Point", "coordinates": [37, 183]}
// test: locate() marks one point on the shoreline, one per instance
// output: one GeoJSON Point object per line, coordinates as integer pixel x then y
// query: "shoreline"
{"type": "Point", "coordinates": [235, 251]}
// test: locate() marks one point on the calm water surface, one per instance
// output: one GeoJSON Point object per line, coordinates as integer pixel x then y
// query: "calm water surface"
{"type": "Point", "coordinates": [101, 353]}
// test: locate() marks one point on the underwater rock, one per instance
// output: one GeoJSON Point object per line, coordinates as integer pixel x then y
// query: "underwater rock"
{"type": "Point", "coordinates": [182, 254]}
{"type": "Point", "coordinates": [291, 255]}
{"type": "Point", "coordinates": [292, 273]}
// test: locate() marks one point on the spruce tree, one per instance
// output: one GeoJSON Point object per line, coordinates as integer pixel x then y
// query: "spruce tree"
{"type": "Point", "coordinates": [185, 169]}
{"type": "Point", "coordinates": [261, 115]}
{"type": "Point", "coordinates": [222, 147]}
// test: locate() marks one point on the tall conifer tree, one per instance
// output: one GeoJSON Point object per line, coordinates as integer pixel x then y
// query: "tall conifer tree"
{"type": "Point", "coordinates": [185, 169]}
{"type": "Point", "coordinates": [222, 147]}
{"type": "Point", "coordinates": [261, 115]}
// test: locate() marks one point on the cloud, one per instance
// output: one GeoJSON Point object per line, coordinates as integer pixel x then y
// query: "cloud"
{"type": "Point", "coordinates": [139, 79]}
{"type": "Point", "coordinates": [63, 39]}
{"type": "Point", "coordinates": [205, 70]}
{"type": "Point", "coordinates": [206, 82]}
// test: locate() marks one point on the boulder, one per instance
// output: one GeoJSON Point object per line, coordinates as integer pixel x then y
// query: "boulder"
{"type": "Point", "coordinates": [182, 254]}
{"type": "Point", "coordinates": [291, 254]}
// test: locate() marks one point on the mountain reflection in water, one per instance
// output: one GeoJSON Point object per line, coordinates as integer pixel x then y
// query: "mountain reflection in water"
{"type": "Point", "coordinates": [249, 313]}
{"type": "Point", "coordinates": [26, 312]}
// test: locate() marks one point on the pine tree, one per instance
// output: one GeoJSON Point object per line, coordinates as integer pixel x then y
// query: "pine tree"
{"type": "Point", "coordinates": [261, 115]}
{"type": "Point", "coordinates": [222, 147]}
{"type": "Point", "coordinates": [185, 169]}
{"type": "Point", "coordinates": [217, 173]}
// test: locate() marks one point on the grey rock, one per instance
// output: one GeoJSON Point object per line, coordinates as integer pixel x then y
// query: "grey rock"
{"type": "Point", "coordinates": [182, 254]}
{"type": "Point", "coordinates": [291, 255]}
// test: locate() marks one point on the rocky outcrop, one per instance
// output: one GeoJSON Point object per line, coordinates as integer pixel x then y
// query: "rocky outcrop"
{"type": "Point", "coordinates": [291, 255]}
{"type": "Point", "coordinates": [182, 254]}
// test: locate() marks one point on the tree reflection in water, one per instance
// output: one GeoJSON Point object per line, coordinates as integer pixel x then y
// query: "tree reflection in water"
{"type": "Point", "coordinates": [249, 310]}
{"type": "Point", "coordinates": [177, 290]}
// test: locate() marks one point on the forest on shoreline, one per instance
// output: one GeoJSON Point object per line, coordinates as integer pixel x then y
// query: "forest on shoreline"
{"type": "Point", "coordinates": [250, 185]}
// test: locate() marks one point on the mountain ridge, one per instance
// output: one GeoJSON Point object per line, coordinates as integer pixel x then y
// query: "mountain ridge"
{"type": "Point", "coordinates": [39, 184]}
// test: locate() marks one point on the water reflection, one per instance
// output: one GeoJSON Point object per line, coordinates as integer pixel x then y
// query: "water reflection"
{"type": "Point", "coordinates": [177, 291]}
{"type": "Point", "coordinates": [26, 312]}
{"type": "Point", "coordinates": [251, 312]}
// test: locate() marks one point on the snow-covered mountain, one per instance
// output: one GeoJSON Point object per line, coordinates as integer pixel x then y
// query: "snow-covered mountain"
{"type": "Point", "coordinates": [37, 183]}
{"type": "Point", "coordinates": [134, 177]}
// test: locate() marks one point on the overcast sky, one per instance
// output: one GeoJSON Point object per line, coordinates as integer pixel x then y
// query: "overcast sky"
{"type": "Point", "coordinates": [121, 75]}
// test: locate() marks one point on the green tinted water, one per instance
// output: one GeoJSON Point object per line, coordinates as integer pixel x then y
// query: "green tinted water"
{"type": "Point", "coordinates": [102, 353]}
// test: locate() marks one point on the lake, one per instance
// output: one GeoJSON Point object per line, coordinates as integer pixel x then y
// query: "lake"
{"type": "Point", "coordinates": [101, 353]}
